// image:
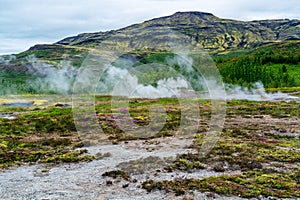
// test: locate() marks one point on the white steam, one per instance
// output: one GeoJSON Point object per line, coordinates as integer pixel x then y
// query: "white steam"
{"type": "Point", "coordinates": [7, 59]}
{"type": "Point", "coordinates": [256, 92]}
{"type": "Point", "coordinates": [52, 79]}
{"type": "Point", "coordinates": [127, 84]}
{"type": "Point", "coordinates": [123, 82]}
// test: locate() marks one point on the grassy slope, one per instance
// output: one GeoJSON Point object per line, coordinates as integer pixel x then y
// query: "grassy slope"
{"type": "Point", "coordinates": [287, 50]}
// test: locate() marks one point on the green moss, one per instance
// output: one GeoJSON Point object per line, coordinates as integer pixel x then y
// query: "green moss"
{"type": "Point", "coordinates": [247, 185]}
{"type": "Point", "coordinates": [117, 173]}
{"type": "Point", "coordinates": [65, 156]}
{"type": "Point", "coordinates": [185, 165]}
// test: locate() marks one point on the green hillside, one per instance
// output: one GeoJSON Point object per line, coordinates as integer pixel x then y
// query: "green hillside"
{"type": "Point", "coordinates": [208, 31]}
{"type": "Point", "coordinates": [276, 65]}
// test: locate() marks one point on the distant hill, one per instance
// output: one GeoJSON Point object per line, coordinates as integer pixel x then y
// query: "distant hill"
{"type": "Point", "coordinates": [209, 31]}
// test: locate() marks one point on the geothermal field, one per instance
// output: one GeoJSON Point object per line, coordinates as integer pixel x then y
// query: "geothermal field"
{"type": "Point", "coordinates": [187, 106]}
{"type": "Point", "coordinates": [256, 154]}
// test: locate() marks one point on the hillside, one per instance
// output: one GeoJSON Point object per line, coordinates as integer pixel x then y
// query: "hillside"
{"type": "Point", "coordinates": [209, 31]}
{"type": "Point", "coordinates": [275, 65]}
{"type": "Point", "coordinates": [225, 39]}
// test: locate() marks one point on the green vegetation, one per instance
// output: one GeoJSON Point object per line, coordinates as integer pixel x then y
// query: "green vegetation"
{"type": "Point", "coordinates": [12, 82]}
{"type": "Point", "coordinates": [39, 136]}
{"type": "Point", "coordinates": [247, 185]}
{"type": "Point", "coordinates": [117, 173]}
{"type": "Point", "coordinates": [53, 54]}
{"type": "Point", "coordinates": [275, 65]}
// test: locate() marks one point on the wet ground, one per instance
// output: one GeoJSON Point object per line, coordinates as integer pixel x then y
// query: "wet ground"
{"type": "Point", "coordinates": [7, 116]}
{"type": "Point", "coordinates": [141, 159]}
{"type": "Point", "coordinates": [85, 180]}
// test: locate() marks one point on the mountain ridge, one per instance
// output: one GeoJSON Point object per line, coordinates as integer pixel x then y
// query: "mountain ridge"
{"type": "Point", "coordinates": [210, 32]}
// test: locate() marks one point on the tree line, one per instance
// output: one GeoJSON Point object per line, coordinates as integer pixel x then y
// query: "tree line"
{"type": "Point", "coordinates": [269, 67]}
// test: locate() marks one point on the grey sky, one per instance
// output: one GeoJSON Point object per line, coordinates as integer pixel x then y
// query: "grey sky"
{"type": "Point", "coordinates": [28, 22]}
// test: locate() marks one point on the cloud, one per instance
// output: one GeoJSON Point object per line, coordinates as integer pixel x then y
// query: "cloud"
{"type": "Point", "coordinates": [26, 22]}
{"type": "Point", "coordinates": [14, 45]}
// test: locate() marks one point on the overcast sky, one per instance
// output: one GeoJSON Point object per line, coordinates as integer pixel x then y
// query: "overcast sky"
{"type": "Point", "coordinates": [28, 22]}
